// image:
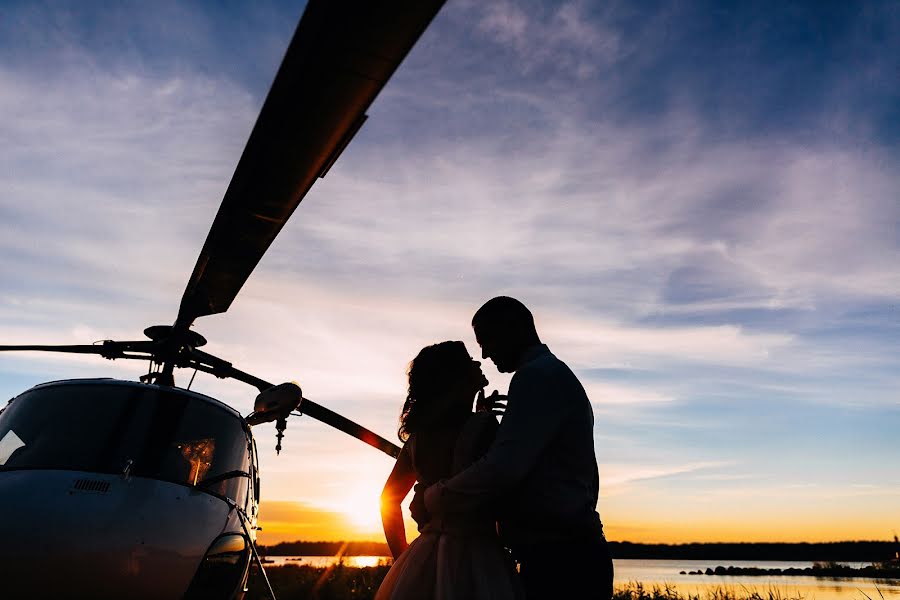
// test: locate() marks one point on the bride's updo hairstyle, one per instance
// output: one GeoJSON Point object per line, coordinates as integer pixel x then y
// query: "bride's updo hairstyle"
{"type": "Point", "coordinates": [434, 372]}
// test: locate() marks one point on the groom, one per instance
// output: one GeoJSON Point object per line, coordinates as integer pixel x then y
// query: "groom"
{"type": "Point", "coordinates": [541, 468]}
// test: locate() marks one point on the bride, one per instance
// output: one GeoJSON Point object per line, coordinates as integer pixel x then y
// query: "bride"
{"type": "Point", "coordinates": [459, 556]}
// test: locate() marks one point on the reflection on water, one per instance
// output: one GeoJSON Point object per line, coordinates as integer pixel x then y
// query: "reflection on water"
{"type": "Point", "coordinates": [661, 572]}
{"type": "Point", "coordinates": [325, 561]}
{"type": "Point", "coordinates": [668, 572]}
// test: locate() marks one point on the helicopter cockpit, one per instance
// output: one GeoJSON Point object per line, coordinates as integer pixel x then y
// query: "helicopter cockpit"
{"type": "Point", "coordinates": [131, 430]}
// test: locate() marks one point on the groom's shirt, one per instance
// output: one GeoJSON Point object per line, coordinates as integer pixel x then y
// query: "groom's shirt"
{"type": "Point", "coordinates": [541, 470]}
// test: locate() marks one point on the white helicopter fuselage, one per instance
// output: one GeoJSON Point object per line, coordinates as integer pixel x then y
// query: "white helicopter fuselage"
{"type": "Point", "coordinates": [151, 530]}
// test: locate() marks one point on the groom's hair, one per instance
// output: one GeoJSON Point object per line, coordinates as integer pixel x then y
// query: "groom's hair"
{"type": "Point", "coordinates": [505, 315]}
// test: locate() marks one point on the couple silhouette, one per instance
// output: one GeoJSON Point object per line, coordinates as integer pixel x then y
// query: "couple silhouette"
{"type": "Point", "coordinates": [506, 508]}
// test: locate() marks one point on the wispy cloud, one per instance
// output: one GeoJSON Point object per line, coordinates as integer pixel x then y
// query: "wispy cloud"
{"type": "Point", "coordinates": [616, 475]}
{"type": "Point", "coordinates": [561, 37]}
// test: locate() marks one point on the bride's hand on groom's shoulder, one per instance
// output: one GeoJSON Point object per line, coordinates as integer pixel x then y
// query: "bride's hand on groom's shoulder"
{"type": "Point", "coordinates": [495, 403]}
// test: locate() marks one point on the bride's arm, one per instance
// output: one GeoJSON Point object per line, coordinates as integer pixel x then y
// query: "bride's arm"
{"type": "Point", "coordinates": [397, 486]}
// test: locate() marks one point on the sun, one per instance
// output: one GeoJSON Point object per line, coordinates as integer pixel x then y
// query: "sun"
{"type": "Point", "coordinates": [361, 506]}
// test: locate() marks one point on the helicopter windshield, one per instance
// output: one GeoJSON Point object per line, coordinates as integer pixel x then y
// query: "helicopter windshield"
{"type": "Point", "coordinates": [131, 430]}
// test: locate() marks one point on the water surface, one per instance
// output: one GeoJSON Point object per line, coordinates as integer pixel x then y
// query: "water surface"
{"type": "Point", "coordinates": [668, 572]}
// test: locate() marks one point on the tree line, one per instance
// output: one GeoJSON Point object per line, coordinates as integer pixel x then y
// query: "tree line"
{"type": "Point", "coordinates": [855, 551]}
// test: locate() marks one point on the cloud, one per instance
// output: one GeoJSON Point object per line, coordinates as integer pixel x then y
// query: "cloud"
{"type": "Point", "coordinates": [562, 38]}
{"type": "Point", "coordinates": [694, 228]}
{"type": "Point", "coordinates": [506, 22]}
{"type": "Point", "coordinates": [592, 341]}
{"type": "Point", "coordinates": [653, 234]}
{"type": "Point", "coordinates": [618, 475]}
{"type": "Point", "coordinates": [605, 394]}
{"type": "Point", "coordinates": [123, 165]}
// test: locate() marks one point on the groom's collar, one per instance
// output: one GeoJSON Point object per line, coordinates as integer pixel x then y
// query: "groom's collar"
{"type": "Point", "coordinates": [532, 353]}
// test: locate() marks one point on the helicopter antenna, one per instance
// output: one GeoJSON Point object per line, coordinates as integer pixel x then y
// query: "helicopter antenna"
{"type": "Point", "coordinates": [191, 382]}
{"type": "Point", "coordinates": [280, 426]}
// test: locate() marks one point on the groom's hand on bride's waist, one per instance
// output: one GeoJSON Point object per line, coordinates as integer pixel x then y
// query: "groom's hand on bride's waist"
{"type": "Point", "coordinates": [417, 507]}
{"type": "Point", "coordinates": [425, 504]}
{"type": "Point", "coordinates": [432, 499]}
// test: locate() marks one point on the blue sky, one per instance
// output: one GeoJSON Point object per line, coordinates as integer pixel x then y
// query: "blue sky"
{"type": "Point", "coordinates": [700, 202]}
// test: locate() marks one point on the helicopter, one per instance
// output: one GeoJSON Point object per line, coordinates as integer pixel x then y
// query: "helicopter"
{"type": "Point", "coordinates": [144, 489]}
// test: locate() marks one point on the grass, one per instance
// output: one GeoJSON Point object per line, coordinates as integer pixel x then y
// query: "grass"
{"type": "Point", "coordinates": [304, 582]}
{"type": "Point", "coordinates": [877, 589]}
{"type": "Point", "coordinates": [638, 591]}
{"type": "Point", "coordinates": [340, 582]}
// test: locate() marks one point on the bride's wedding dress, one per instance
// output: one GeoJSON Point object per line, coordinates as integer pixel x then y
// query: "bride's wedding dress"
{"type": "Point", "coordinates": [458, 557]}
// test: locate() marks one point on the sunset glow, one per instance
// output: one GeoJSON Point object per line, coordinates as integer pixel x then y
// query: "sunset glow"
{"type": "Point", "coordinates": [361, 506]}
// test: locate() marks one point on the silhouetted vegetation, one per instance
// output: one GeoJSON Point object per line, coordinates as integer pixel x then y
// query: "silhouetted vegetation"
{"type": "Point", "coordinates": [296, 582]}
{"type": "Point", "coordinates": [303, 548]}
{"type": "Point", "coordinates": [304, 582]}
{"type": "Point", "coordinates": [638, 591]}
{"type": "Point", "coordinates": [828, 569]}
{"type": "Point", "coordinates": [862, 551]}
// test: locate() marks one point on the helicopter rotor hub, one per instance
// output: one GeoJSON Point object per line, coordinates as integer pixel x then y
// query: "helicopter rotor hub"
{"type": "Point", "coordinates": [159, 333]}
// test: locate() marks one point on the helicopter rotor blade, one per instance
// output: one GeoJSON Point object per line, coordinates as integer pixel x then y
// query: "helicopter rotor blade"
{"type": "Point", "coordinates": [203, 361]}
{"type": "Point", "coordinates": [77, 349]}
{"type": "Point", "coordinates": [108, 349]}
{"type": "Point", "coordinates": [341, 55]}
{"type": "Point", "coordinates": [329, 417]}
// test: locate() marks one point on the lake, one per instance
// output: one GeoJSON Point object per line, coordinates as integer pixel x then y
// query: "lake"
{"type": "Point", "coordinates": [661, 572]}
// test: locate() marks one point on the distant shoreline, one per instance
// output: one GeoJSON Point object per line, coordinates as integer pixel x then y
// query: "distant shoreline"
{"type": "Point", "coordinates": [830, 570]}
{"type": "Point", "coordinates": [850, 551]}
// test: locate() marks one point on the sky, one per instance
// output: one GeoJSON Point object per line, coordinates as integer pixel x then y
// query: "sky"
{"type": "Point", "coordinates": [699, 201]}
